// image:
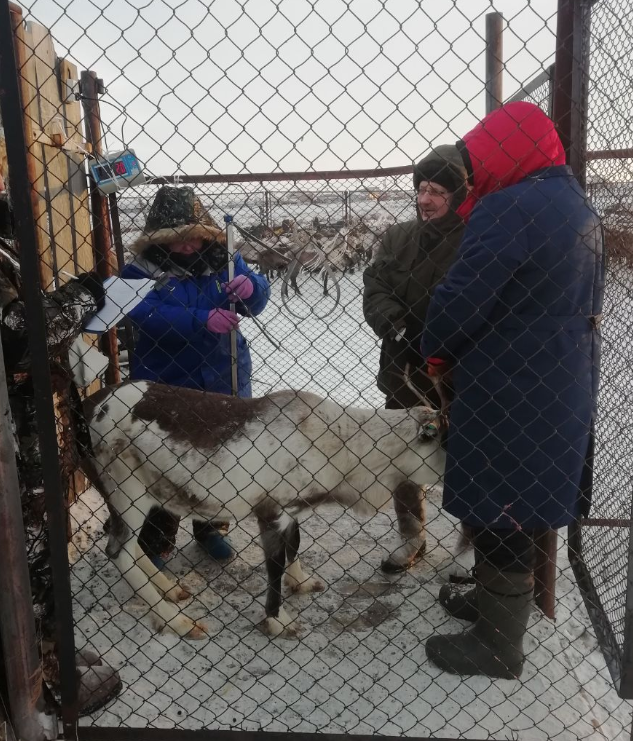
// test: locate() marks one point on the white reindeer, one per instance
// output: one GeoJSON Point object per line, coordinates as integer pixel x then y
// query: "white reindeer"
{"type": "Point", "coordinates": [219, 457]}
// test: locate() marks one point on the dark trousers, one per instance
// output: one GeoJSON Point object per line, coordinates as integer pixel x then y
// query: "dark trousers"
{"type": "Point", "coordinates": [506, 550]}
{"type": "Point", "coordinates": [158, 534]}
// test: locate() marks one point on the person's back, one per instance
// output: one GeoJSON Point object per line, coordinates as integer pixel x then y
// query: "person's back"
{"type": "Point", "coordinates": [516, 321]}
{"type": "Point", "coordinates": [562, 233]}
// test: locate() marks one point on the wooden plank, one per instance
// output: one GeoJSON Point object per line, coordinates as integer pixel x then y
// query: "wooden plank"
{"type": "Point", "coordinates": [80, 215]}
{"type": "Point", "coordinates": [55, 160]}
{"type": "Point", "coordinates": [77, 180]}
{"type": "Point", "coordinates": [28, 83]}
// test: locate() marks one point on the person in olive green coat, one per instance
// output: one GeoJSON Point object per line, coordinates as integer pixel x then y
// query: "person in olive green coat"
{"type": "Point", "coordinates": [412, 260]}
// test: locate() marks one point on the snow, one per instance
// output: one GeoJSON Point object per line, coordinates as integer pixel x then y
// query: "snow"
{"type": "Point", "coordinates": [359, 664]}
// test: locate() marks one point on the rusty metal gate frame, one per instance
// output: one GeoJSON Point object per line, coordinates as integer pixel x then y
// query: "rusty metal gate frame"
{"type": "Point", "coordinates": [25, 228]}
{"type": "Point", "coordinates": [567, 103]}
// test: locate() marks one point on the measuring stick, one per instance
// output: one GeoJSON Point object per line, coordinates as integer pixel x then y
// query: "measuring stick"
{"type": "Point", "coordinates": [230, 247]}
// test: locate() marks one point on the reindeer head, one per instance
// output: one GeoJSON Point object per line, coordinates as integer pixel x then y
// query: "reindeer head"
{"type": "Point", "coordinates": [430, 423]}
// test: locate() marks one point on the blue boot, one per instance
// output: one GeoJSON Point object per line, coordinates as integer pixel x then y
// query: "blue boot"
{"type": "Point", "coordinates": [157, 561]}
{"type": "Point", "coordinates": [211, 541]}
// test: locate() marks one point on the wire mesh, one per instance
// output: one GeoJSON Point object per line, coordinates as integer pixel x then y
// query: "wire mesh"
{"type": "Point", "coordinates": [606, 547]}
{"type": "Point", "coordinates": [292, 87]}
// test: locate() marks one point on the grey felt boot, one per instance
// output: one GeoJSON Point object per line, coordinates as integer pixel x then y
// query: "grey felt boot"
{"type": "Point", "coordinates": [460, 603]}
{"type": "Point", "coordinates": [494, 645]}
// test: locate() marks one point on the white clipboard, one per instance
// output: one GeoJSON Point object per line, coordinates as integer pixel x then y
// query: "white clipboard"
{"type": "Point", "coordinates": [122, 295]}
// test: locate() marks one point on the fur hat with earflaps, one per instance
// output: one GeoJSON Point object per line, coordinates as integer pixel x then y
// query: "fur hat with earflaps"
{"type": "Point", "coordinates": [177, 214]}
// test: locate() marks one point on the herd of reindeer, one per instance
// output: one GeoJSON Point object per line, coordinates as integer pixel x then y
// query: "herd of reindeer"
{"type": "Point", "coordinates": [329, 250]}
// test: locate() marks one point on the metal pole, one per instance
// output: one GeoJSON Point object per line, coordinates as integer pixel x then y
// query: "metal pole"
{"type": "Point", "coordinates": [494, 61]}
{"type": "Point", "coordinates": [102, 236]}
{"type": "Point", "coordinates": [546, 546]}
{"type": "Point", "coordinates": [120, 258]}
{"type": "Point", "coordinates": [230, 246]}
{"type": "Point", "coordinates": [19, 636]}
{"type": "Point", "coordinates": [267, 208]}
{"type": "Point", "coordinates": [570, 106]}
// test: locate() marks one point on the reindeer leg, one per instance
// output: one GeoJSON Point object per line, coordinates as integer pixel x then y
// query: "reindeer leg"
{"type": "Point", "coordinates": [169, 588]}
{"type": "Point", "coordinates": [296, 578]}
{"type": "Point", "coordinates": [273, 525]}
{"type": "Point", "coordinates": [409, 501]}
{"type": "Point", "coordinates": [133, 511]}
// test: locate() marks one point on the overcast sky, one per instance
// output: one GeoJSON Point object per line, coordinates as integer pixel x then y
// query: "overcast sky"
{"type": "Point", "coordinates": [257, 85]}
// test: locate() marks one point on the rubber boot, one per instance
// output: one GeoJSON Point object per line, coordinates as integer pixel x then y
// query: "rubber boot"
{"type": "Point", "coordinates": [461, 603]}
{"type": "Point", "coordinates": [98, 685]}
{"type": "Point", "coordinates": [493, 647]}
{"type": "Point", "coordinates": [88, 657]}
{"type": "Point", "coordinates": [209, 537]}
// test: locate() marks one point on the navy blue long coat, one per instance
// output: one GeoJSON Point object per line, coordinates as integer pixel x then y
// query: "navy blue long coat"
{"type": "Point", "coordinates": [514, 316]}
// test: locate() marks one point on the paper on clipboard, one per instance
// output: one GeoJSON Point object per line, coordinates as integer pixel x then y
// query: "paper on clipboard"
{"type": "Point", "coordinates": [121, 297]}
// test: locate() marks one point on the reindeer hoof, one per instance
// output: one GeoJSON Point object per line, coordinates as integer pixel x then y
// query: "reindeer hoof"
{"type": "Point", "coordinates": [187, 628]}
{"type": "Point", "coordinates": [396, 562]}
{"type": "Point", "coordinates": [307, 586]}
{"type": "Point", "coordinates": [282, 626]}
{"type": "Point", "coordinates": [198, 633]}
{"type": "Point", "coordinates": [177, 594]}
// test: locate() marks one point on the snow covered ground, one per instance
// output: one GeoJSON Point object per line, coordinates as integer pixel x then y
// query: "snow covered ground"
{"type": "Point", "coordinates": [359, 665]}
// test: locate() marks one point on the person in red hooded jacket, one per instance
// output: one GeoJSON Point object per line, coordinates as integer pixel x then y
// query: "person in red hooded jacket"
{"type": "Point", "coordinates": [516, 321]}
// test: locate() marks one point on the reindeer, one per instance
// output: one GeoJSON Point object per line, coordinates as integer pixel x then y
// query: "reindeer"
{"type": "Point", "coordinates": [272, 263]}
{"type": "Point", "coordinates": [220, 457]}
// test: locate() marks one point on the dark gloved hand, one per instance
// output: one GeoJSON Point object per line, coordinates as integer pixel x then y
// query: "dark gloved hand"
{"type": "Point", "coordinates": [94, 285]}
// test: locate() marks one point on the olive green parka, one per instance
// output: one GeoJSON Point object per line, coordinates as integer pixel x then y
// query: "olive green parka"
{"type": "Point", "coordinates": [412, 259]}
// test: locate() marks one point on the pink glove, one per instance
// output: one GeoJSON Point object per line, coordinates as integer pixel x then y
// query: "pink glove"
{"type": "Point", "coordinates": [240, 287]}
{"type": "Point", "coordinates": [222, 321]}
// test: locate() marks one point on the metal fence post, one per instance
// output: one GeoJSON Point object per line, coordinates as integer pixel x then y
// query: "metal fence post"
{"type": "Point", "coordinates": [570, 98]}
{"type": "Point", "coordinates": [494, 61]}
{"type": "Point", "coordinates": [267, 214]}
{"type": "Point", "coordinates": [25, 228]}
{"type": "Point", "coordinates": [102, 235]}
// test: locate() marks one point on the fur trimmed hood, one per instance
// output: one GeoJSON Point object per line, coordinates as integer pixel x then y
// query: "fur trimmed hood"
{"type": "Point", "coordinates": [177, 214]}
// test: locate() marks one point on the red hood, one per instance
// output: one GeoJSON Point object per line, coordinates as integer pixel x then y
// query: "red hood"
{"type": "Point", "coordinates": [506, 146]}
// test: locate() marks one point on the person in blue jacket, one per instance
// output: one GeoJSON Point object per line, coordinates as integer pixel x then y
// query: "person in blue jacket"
{"type": "Point", "coordinates": [516, 323]}
{"type": "Point", "coordinates": [184, 326]}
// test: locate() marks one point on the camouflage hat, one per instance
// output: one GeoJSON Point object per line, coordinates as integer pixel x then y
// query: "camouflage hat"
{"type": "Point", "coordinates": [177, 214]}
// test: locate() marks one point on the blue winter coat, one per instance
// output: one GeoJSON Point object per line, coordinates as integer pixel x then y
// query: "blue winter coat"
{"type": "Point", "coordinates": [515, 316]}
{"type": "Point", "coordinates": [174, 345]}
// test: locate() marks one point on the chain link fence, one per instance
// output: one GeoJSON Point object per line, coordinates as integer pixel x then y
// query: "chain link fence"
{"type": "Point", "coordinates": [605, 539]}
{"type": "Point", "coordinates": [319, 109]}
